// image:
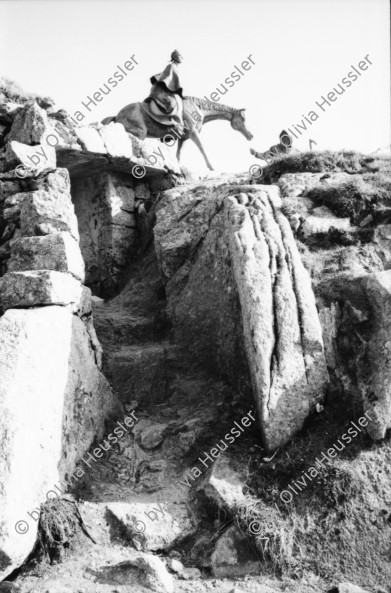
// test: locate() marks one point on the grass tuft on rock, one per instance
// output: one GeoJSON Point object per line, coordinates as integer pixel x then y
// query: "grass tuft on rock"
{"type": "Point", "coordinates": [59, 524]}
{"type": "Point", "coordinates": [327, 161]}
{"type": "Point", "coordinates": [338, 525]}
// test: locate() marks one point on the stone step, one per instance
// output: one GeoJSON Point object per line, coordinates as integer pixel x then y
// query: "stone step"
{"type": "Point", "coordinates": [140, 372]}
{"type": "Point", "coordinates": [119, 326]}
{"type": "Point", "coordinates": [148, 522]}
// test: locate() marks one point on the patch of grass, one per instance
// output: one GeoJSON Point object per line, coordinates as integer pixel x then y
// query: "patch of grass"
{"type": "Point", "coordinates": [354, 198]}
{"type": "Point", "coordinates": [273, 535]}
{"type": "Point", "coordinates": [337, 523]}
{"type": "Point", "coordinates": [59, 524]}
{"type": "Point", "coordinates": [334, 237]}
{"type": "Point", "coordinates": [346, 161]}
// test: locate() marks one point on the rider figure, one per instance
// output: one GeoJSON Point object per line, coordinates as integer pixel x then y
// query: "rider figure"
{"type": "Point", "coordinates": [165, 97]}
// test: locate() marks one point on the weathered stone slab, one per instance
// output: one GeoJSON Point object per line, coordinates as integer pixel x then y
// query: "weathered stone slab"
{"type": "Point", "coordinates": [155, 526]}
{"type": "Point", "coordinates": [90, 139]}
{"type": "Point", "coordinates": [30, 125]}
{"type": "Point", "coordinates": [45, 212]}
{"type": "Point", "coordinates": [321, 221]}
{"type": "Point", "coordinates": [116, 140]}
{"type": "Point", "coordinates": [240, 299]}
{"type": "Point", "coordinates": [37, 288]}
{"type": "Point", "coordinates": [283, 337]}
{"type": "Point", "coordinates": [59, 252]}
{"type": "Point", "coordinates": [30, 160]}
{"type": "Point", "coordinates": [149, 524]}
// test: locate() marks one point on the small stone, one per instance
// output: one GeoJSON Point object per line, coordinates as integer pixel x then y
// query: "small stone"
{"type": "Point", "coordinates": [116, 140]}
{"type": "Point", "coordinates": [97, 301]}
{"type": "Point", "coordinates": [7, 587]}
{"type": "Point", "coordinates": [156, 570]}
{"type": "Point", "coordinates": [190, 574]}
{"type": "Point", "coordinates": [367, 220]}
{"type": "Point", "coordinates": [132, 405]}
{"type": "Point", "coordinates": [233, 557]}
{"type": "Point", "coordinates": [152, 436]}
{"type": "Point", "coordinates": [175, 565]}
{"type": "Point", "coordinates": [90, 140]}
{"type": "Point", "coordinates": [350, 588]}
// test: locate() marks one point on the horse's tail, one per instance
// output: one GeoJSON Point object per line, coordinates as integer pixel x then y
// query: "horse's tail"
{"type": "Point", "coordinates": [108, 120]}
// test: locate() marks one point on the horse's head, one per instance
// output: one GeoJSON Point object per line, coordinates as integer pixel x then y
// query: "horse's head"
{"type": "Point", "coordinates": [238, 122]}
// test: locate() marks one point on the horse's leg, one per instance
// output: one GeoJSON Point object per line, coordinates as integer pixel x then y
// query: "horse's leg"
{"type": "Point", "coordinates": [179, 149]}
{"type": "Point", "coordinates": [194, 136]}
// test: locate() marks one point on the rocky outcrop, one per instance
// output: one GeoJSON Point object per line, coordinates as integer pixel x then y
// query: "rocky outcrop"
{"type": "Point", "coordinates": [54, 400]}
{"type": "Point", "coordinates": [245, 280]}
{"type": "Point", "coordinates": [348, 259]}
{"type": "Point", "coordinates": [375, 385]}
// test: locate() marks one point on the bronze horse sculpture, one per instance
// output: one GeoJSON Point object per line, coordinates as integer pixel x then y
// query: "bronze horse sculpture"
{"type": "Point", "coordinates": [196, 112]}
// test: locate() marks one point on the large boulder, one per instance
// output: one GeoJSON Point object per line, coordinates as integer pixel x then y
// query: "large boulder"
{"type": "Point", "coordinates": [240, 298]}
{"type": "Point", "coordinates": [44, 213]}
{"type": "Point", "coordinates": [59, 252]}
{"type": "Point", "coordinates": [376, 388]}
{"type": "Point", "coordinates": [53, 402]}
{"type": "Point", "coordinates": [29, 159]}
{"type": "Point", "coordinates": [39, 287]}
{"type": "Point", "coordinates": [31, 126]}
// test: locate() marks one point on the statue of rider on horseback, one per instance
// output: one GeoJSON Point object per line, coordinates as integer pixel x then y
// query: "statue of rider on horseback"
{"type": "Point", "coordinates": [166, 112]}
{"type": "Point", "coordinates": [165, 101]}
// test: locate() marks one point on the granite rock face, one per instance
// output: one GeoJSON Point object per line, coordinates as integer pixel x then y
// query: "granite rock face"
{"type": "Point", "coordinates": [244, 305]}
{"type": "Point", "coordinates": [39, 287]}
{"type": "Point", "coordinates": [50, 413]}
{"type": "Point", "coordinates": [349, 261]}
{"type": "Point", "coordinates": [54, 399]}
{"type": "Point", "coordinates": [59, 252]}
{"type": "Point", "coordinates": [44, 213]}
{"type": "Point", "coordinates": [106, 213]}
{"type": "Point", "coordinates": [376, 388]}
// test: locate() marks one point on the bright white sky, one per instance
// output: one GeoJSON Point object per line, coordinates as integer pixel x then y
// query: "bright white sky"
{"type": "Point", "coordinates": [301, 50]}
